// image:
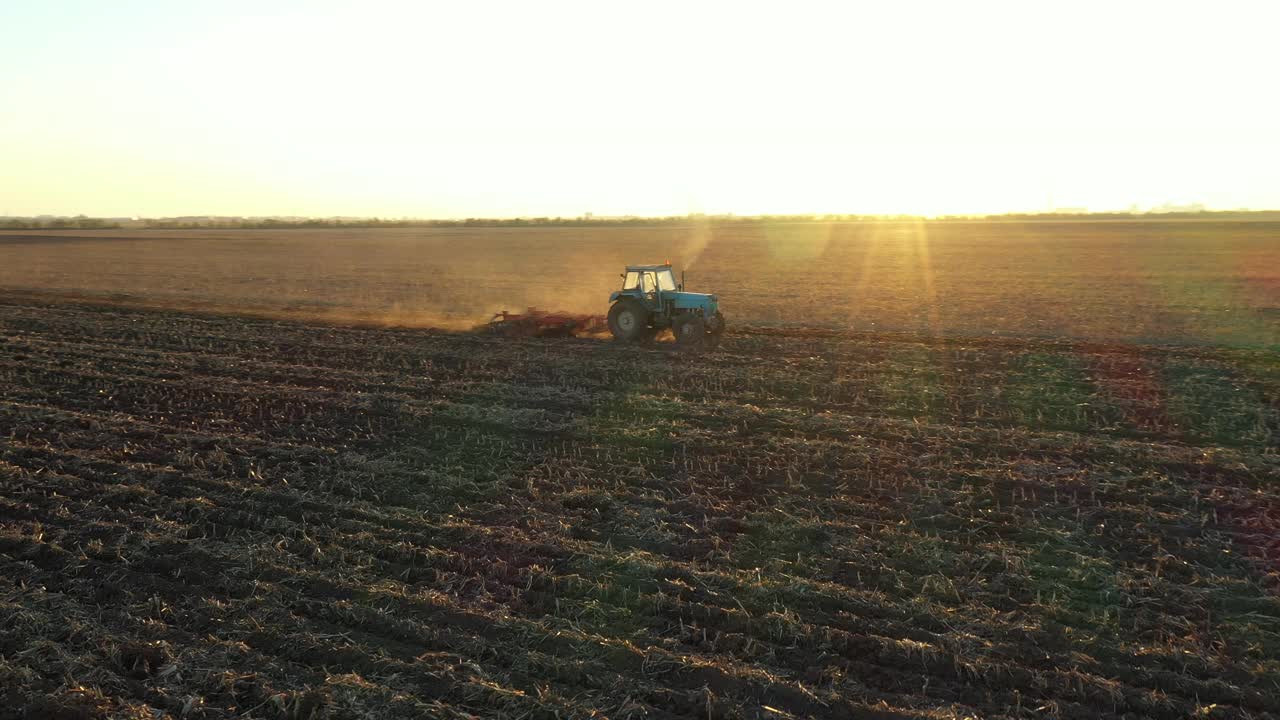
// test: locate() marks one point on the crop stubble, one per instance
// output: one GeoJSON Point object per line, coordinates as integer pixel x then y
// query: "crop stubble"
{"type": "Point", "coordinates": [215, 516]}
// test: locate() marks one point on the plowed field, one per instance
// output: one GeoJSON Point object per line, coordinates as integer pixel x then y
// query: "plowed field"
{"type": "Point", "coordinates": [1201, 282]}
{"type": "Point", "coordinates": [218, 517]}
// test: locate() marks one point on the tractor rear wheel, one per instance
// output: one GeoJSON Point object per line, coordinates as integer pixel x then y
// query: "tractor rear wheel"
{"type": "Point", "coordinates": [690, 331]}
{"type": "Point", "coordinates": [628, 320]}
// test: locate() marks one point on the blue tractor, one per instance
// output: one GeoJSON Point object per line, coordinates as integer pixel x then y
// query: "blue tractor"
{"type": "Point", "coordinates": [650, 300]}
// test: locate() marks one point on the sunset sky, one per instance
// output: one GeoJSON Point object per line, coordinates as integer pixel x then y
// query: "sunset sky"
{"type": "Point", "coordinates": [457, 109]}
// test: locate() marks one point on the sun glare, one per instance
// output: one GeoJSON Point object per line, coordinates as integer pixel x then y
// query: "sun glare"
{"type": "Point", "coordinates": [437, 110]}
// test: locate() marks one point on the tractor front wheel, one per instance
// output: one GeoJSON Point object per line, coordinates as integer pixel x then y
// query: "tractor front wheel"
{"type": "Point", "coordinates": [628, 320]}
{"type": "Point", "coordinates": [715, 330]}
{"type": "Point", "coordinates": [690, 331]}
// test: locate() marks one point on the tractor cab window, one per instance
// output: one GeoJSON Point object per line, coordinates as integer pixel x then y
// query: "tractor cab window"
{"type": "Point", "coordinates": [649, 282]}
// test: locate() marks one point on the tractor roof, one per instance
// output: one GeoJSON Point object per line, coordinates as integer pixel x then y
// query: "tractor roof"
{"type": "Point", "coordinates": [648, 268]}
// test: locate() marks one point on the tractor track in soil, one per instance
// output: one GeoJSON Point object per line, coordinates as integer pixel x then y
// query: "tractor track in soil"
{"type": "Point", "coordinates": [219, 516]}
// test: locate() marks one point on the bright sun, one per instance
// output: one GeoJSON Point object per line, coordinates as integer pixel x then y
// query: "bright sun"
{"type": "Point", "coordinates": [500, 109]}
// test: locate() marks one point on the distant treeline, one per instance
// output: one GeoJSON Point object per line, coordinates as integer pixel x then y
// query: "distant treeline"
{"type": "Point", "coordinates": [82, 222]}
{"type": "Point", "coordinates": [66, 223]}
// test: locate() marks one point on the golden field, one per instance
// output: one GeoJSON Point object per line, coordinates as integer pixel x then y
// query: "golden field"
{"type": "Point", "coordinates": [1215, 282]}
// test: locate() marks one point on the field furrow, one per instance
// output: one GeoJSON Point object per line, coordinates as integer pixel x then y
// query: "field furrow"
{"type": "Point", "coordinates": [220, 517]}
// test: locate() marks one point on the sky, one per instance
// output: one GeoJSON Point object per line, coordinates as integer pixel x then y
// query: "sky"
{"type": "Point", "coordinates": [499, 109]}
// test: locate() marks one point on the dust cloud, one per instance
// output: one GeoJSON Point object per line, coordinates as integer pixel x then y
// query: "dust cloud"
{"type": "Point", "coordinates": [696, 243]}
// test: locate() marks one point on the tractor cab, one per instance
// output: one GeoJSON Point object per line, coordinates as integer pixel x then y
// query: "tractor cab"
{"type": "Point", "coordinates": [651, 300]}
{"type": "Point", "coordinates": [645, 281]}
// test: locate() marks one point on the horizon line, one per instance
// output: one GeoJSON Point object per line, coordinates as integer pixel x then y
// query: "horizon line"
{"type": "Point", "coordinates": [587, 218]}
